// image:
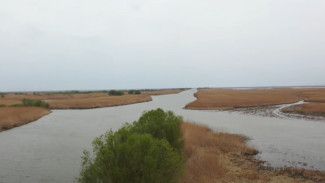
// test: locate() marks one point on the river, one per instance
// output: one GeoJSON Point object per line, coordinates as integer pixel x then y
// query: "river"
{"type": "Point", "coordinates": [49, 149]}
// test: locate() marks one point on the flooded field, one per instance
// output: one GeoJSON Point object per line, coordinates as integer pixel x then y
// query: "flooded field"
{"type": "Point", "coordinates": [49, 149]}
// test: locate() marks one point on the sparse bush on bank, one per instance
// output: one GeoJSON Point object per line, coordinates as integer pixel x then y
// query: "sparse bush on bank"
{"type": "Point", "coordinates": [116, 92]}
{"type": "Point", "coordinates": [37, 103]}
{"type": "Point", "coordinates": [136, 92]}
{"type": "Point", "coordinates": [141, 152]}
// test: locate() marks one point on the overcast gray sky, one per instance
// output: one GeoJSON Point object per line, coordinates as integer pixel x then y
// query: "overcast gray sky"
{"type": "Point", "coordinates": [104, 44]}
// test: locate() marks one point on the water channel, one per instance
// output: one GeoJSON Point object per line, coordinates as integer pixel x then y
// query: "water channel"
{"type": "Point", "coordinates": [49, 149]}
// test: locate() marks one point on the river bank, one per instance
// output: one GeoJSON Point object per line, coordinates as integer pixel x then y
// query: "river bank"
{"type": "Point", "coordinates": [223, 157]}
{"type": "Point", "coordinates": [263, 101]}
{"type": "Point", "coordinates": [11, 117]}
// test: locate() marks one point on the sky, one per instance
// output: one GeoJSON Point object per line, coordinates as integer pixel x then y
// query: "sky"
{"type": "Point", "coordinates": [134, 44]}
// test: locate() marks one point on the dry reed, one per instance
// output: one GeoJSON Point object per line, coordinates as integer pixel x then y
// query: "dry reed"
{"type": "Point", "coordinates": [222, 157]}
{"type": "Point", "coordinates": [229, 99]}
{"type": "Point", "coordinates": [16, 116]}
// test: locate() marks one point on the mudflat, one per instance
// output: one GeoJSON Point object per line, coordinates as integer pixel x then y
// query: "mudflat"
{"type": "Point", "coordinates": [235, 98]}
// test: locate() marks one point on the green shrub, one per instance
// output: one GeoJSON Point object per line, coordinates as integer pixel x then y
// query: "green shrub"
{"type": "Point", "coordinates": [133, 155]}
{"type": "Point", "coordinates": [127, 157]}
{"type": "Point", "coordinates": [2, 105]}
{"type": "Point", "coordinates": [116, 92]}
{"type": "Point", "coordinates": [131, 92]}
{"type": "Point", "coordinates": [162, 125]}
{"type": "Point", "coordinates": [137, 92]}
{"type": "Point", "coordinates": [37, 103]}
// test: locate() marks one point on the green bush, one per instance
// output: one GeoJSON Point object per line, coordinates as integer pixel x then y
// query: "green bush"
{"type": "Point", "coordinates": [137, 92]}
{"type": "Point", "coordinates": [133, 155]}
{"type": "Point", "coordinates": [2, 105]}
{"type": "Point", "coordinates": [116, 92]}
{"type": "Point", "coordinates": [131, 92]}
{"type": "Point", "coordinates": [161, 124]}
{"type": "Point", "coordinates": [37, 103]}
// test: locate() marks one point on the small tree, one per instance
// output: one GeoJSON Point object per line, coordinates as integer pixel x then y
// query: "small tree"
{"type": "Point", "coordinates": [161, 124]}
{"type": "Point", "coordinates": [137, 92]}
{"type": "Point", "coordinates": [128, 157]}
{"type": "Point", "coordinates": [146, 151]}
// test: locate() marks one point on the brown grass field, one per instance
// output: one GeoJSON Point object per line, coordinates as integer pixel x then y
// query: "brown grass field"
{"type": "Point", "coordinates": [84, 101]}
{"type": "Point", "coordinates": [221, 157]}
{"type": "Point", "coordinates": [16, 116]}
{"type": "Point", "coordinates": [230, 99]}
{"type": "Point", "coordinates": [97, 101]}
{"type": "Point", "coordinates": [315, 109]}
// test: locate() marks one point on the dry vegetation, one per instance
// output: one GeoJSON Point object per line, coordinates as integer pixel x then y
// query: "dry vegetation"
{"type": "Point", "coordinates": [15, 116]}
{"type": "Point", "coordinates": [315, 109]}
{"type": "Point", "coordinates": [229, 98]}
{"type": "Point", "coordinates": [97, 101]}
{"type": "Point", "coordinates": [221, 157]}
{"type": "Point", "coordinates": [84, 101]}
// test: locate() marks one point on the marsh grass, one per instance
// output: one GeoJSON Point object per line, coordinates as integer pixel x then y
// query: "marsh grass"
{"type": "Point", "coordinates": [79, 100]}
{"type": "Point", "coordinates": [222, 157]}
{"type": "Point", "coordinates": [230, 99]}
{"type": "Point", "coordinates": [16, 116]}
{"type": "Point", "coordinates": [315, 109]}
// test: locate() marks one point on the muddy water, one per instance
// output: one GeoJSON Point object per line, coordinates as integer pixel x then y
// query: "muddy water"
{"type": "Point", "coordinates": [49, 149]}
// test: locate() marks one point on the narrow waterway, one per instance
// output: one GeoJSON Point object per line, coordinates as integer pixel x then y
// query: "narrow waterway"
{"type": "Point", "coordinates": [49, 149]}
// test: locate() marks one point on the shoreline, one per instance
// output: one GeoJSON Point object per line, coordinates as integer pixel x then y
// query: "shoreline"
{"type": "Point", "coordinates": [9, 121]}
{"type": "Point", "coordinates": [255, 101]}
{"type": "Point", "coordinates": [19, 116]}
{"type": "Point", "coordinates": [97, 107]}
{"type": "Point", "coordinates": [225, 157]}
